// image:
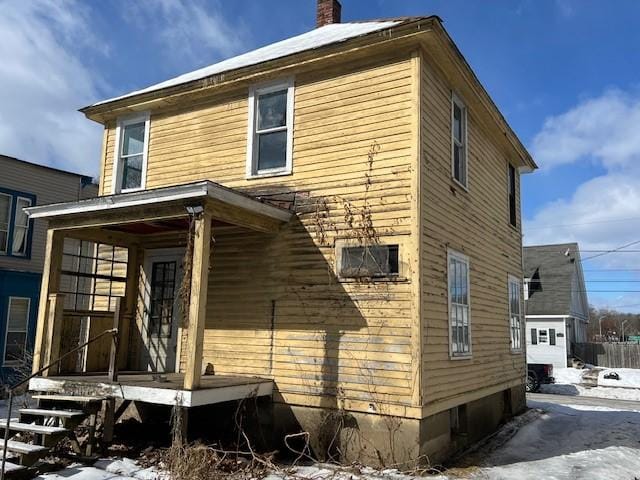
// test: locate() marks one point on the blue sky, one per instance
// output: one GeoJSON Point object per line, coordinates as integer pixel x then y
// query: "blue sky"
{"type": "Point", "coordinates": [563, 72]}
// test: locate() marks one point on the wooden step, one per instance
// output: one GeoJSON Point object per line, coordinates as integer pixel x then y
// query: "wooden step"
{"type": "Point", "coordinates": [23, 448]}
{"type": "Point", "coordinates": [43, 412]}
{"type": "Point", "coordinates": [68, 398]}
{"type": "Point", "coordinates": [16, 426]}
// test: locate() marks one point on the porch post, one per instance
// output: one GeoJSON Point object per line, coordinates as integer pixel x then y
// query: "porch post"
{"type": "Point", "coordinates": [127, 354]}
{"type": "Point", "coordinates": [198, 303]}
{"type": "Point", "coordinates": [50, 284]}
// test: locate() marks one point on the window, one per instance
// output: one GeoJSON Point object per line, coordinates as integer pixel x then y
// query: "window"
{"type": "Point", "coordinates": [515, 317]}
{"type": "Point", "coordinates": [21, 227]}
{"type": "Point", "coordinates": [552, 336]}
{"type": "Point", "coordinates": [512, 196]}
{"type": "Point", "coordinates": [15, 226]}
{"type": "Point", "coordinates": [543, 338]}
{"type": "Point", "coordinates": [131, 157]}
{"type": "Point", "coordinates": [5, 216]}
{"type": "Point", "coordinates": [369, 261]}
{"type": "Point", "coordinates": [534, 336]}
{"type": "Point", "coordinates": [459, 141]}
{"type": "Point", "coordinates": [16, 337]}
{"type": "Point", "coordinates": [459, 315]}
{"type": "Point", "coordinates": [163, 286]}
{"type": "Point", "coordinates": [270, 138]}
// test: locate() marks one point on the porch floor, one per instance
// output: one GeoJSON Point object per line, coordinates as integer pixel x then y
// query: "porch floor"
{"type": "Point", "coordinates": [141, 387]}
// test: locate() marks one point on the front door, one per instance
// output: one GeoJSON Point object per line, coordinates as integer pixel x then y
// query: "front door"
{"type": "Point", "coordinates": [163, 273]}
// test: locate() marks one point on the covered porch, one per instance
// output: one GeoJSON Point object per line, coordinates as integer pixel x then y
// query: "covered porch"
{"type": "Point", "coordinates": [138, 264]}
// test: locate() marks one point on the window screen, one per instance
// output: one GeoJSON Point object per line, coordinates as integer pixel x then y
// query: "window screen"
{"type": "Point", "coordinates": [370, 261]}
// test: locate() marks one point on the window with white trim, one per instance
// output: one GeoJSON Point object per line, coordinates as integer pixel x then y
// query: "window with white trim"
{"type": "Point", "coordinates": [459, 166]}
{"type": "Point", "coordinates": [270, 136]}
{"type": "Point", "coordinates": [5, 217]}
{"type": "Point", "coordinates": [131, 156]}
{"type": "Point", "coordinates": [459, 305]}
{"type": "Point", "coordinates": [515, 314]}
{"type": "Point", "coordinates": [16, 334]}
{"type": "Point", "coordinates": [21, 227]}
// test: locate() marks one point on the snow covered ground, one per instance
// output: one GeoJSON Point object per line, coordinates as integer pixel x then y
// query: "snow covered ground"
{"type": "Point", "coordinates": [564, 442]}
{"type": "Point", "coordinates": [108, 469]}
{"type": "Point", "coordinates": [568, 380]}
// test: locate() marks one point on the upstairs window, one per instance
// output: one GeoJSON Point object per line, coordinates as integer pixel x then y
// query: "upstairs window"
{"type": "Point", "coordinates": [270, 137]}
{"type": "Point", "coordinates": [369, 262]}
{"type": "Point", "coordinates": [16, 335]}
{"type": "Point", "coordinates": [5, 217]}
{"type": "Point", "coordinates": [459, 305]}
{"type": "Point", "coordinates": [512, 196]}
{"type": "Point", "coordinates": [515, 315]}
{"type": "Point", "coordinates": [131, 157]}
{"type": "Point", "coordinates": [15, 226]}
{"type": "Point", "coordinates": [21, 227]}
{"type": "Point", "coordinates": [459, 141]}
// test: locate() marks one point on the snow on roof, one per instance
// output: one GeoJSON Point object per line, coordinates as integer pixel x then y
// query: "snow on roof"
{"type": "Point", "coordinates": [320, 37]}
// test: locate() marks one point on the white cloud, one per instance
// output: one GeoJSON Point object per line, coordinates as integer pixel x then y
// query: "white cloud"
{"type": "Point", "coordinates": [189, 31]}
{"type": "Point", "coordinates": [43, 82]}
{"type": "Point", "coordinates": [602, 129]}
{"type": "Point", "coordinates": [604, 212]}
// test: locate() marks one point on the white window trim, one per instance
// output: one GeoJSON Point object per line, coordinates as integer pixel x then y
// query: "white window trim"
{"type": "Point", "coordinates": [6, 362]}
{"type": "Point", "coordinates": [456, 100]}
{"type": "Point", "coordinates": [9, 219]}
{"type": "Point", "coordinates": [15, 226]}
{"type": "Point", "coordinates": [254, 93]}
{"type": "Point", "coordinates": [511, 280]}
{"type": "Point", "coordinates": [465, 259]}
{"type": "Point", "coordinates": [116, 179]}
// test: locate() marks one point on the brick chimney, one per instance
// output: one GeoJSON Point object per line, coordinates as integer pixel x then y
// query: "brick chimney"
{"type": "Point", "coordinates": [329, 11]}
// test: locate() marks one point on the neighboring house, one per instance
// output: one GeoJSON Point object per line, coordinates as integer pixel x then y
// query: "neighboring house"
{"type": "Point", "coordinates": [557, 309]}
{"type": "Point", "coordinates": [363, 192]}
{"type": "Point", "coordinates": [23, 185]}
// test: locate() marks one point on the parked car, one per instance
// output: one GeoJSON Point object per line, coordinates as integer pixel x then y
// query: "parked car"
{"type": "Point", "coordinates": [538, 374]}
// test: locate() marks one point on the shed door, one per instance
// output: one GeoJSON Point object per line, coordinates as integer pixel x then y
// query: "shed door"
{"type": "Point", "coordinates": [163, 274]}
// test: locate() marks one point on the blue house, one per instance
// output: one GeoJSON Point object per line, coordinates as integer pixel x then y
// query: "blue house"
{"type": "Point", "coordinates": [22, 241]}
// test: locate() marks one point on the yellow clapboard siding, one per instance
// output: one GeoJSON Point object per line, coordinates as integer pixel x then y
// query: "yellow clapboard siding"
{"type": "Point", "coordinates": [476, 224]}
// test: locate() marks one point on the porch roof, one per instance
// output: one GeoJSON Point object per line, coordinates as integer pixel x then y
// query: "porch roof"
{"type": "Point", "coordinates": [225, 204]}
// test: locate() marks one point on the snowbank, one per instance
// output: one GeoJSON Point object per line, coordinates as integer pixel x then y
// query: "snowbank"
{"type": "Point", "coordinates": [106, 469]}
{"type": "Point", "coordinates": [568, 383]}
{"type": "Point", "coordinates": [568, 375]}
{"type": "Point", "coordinates": [629, 377]}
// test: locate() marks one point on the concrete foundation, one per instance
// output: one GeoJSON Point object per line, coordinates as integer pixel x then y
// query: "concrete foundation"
{"type": "Point", "coordinates": [380, 440]}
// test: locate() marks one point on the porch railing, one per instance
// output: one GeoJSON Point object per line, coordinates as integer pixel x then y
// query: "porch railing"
{"type": "Point", "coordinates": [113, 373]}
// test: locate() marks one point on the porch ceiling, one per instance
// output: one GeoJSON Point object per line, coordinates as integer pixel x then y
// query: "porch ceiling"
{"type": "Point", "coordinates": [163, 209]}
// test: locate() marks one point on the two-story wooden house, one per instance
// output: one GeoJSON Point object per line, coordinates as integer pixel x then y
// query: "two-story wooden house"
{"type": "Point", "coordinates": [23, 185]}
{"type": "Point", "coordinates": [333, 220]}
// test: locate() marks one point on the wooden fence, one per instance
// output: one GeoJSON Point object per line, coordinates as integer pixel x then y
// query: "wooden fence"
{"type": "Point", "coordinates": [611, 355]}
